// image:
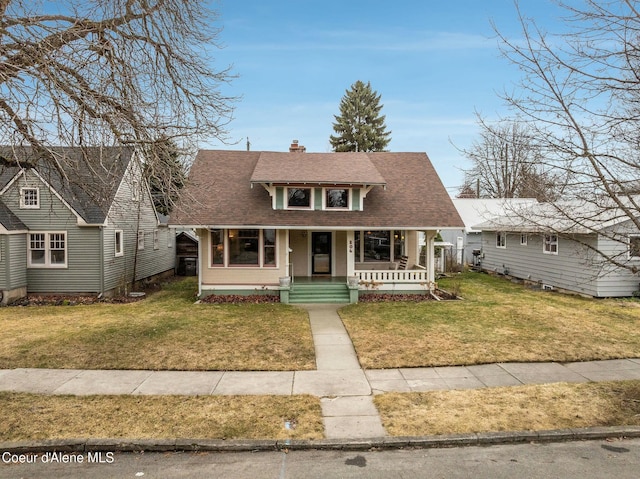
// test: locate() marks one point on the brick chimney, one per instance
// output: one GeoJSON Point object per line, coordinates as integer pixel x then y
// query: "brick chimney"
{"type": "Point", "coordinates": [296, 148]}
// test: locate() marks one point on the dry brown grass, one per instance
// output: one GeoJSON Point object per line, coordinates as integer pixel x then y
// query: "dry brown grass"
{"type": "Point", "coordinates": [497, 322]}
{"type": "Point", "coordinates": [32, 416]}
{"type": "Point", "coordinates": [538, 407]}
{"type": "Point", "coordinates": [165, 331]}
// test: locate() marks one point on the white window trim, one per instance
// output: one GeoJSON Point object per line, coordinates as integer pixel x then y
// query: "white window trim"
{"type": "Point", "coordinates": [524, 239]}
{"type": "Point", "coordinates": [225, 247]}
{"type": "Point", "coordinates": [140, 240]}
{"type": "Point", "coordinates": [546, 245]}
{"type": "Point", "coordinates": [22, 202]}
{"type": "Point", "coordinates": [311, 198]}
{"type": "Point", "coordinates": [501, 244]}
{"type": "Point", "coordinates": [118, 243]}
{"type": "Point", "coordinates": [47, 250]}
{"type": "Point", "coordinates": [324, 199]}
{"type": "Point", "coordinates": [629, 255]}
{"type": "Point", "coordinates": [135, 190]}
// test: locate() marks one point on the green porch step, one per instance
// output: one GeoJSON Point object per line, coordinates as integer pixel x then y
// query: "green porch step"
{"type": "Point", "coordinates": [319, 293]}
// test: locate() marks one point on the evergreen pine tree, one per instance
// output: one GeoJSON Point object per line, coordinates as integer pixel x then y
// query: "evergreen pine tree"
{"type": "Point", "coordinates": [360, 127]}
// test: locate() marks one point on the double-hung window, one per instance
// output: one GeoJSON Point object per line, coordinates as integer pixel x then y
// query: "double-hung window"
{"type": "Point", "coordinates": [634, 247]}
{"type": "Point", "coordinates": [47, 250]}
{"type": "Point", "coordinates": [29, 198]}
{"type": "Point", "coordinates": [550, 244]}
{"type": "Point", "coordinates": [501, 239]}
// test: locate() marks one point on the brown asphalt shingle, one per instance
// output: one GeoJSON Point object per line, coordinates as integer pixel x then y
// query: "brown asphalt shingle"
{"type": "Point", "coordinates": [334, 168]}
{"type": "Point", "coordinates": [220, 193]}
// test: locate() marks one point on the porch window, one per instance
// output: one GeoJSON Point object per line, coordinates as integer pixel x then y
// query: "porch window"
{"type": "Point", "coordinates": [550, 244]}
{"type": "Point", "coordinates": [336, 198]}
{"type": "Point", "coordinates": [217, 247]}
{"type": "Point", "coordinates": [243, 247]}
{"type": "Point", "coordinates": [269, 245]}
{"type": "Point", "coordinates": [634, 247]}
{"type": "Point", "coordinates": [298, 197]}
{"type": "Point", "coordinates": [501, 239]}
{"type": "Point", "coordinates": [398, 245]}
{"type": "Point", "coordinates": [379, 246]}
{"type": "Point", "coordinates": [47, 250]}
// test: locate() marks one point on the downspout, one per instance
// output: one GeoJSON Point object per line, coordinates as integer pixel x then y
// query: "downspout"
{"type": "Point", "coordinates": [101, 262]}
{"type": "Point", "coordinates": [200, 260]}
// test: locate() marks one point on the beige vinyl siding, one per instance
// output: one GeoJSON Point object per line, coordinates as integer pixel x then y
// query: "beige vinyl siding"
{"type": "Point", "coordinates": [339, 266]}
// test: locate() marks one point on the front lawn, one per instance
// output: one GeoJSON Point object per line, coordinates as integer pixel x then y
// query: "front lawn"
{"type": "Point", "coordinates": [521, 408]}
{"type": "Point", "coordinates": [34, 416]}
{"type": "Point", "coordinates": [164, 331]}
{"type": "Point", "coordinates": [498, 321]}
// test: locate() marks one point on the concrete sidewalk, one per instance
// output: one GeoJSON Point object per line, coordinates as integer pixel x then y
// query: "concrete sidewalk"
{"type": "Point", "coordinates": [320, 383]}
{"type": "Point", "coordinates": [345, 389]}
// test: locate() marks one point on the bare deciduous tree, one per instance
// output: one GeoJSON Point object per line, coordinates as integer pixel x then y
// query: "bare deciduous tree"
{"type": "Point", "coordinates": [580, 96]}
{"type": "Point", "coordinates": [108, 72]}
{"type": "Point", "coordinates": [507, 163]}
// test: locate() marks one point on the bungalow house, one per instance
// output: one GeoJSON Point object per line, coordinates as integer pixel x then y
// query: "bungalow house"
{"type": "Point", "coordinates": [563, 246]}
{"type": "Point", "coordinates": [87, 227]}
{"type": "Point", "coordinates": [474, 211]}
{"type": "Point", "coordinates": [298, 223]}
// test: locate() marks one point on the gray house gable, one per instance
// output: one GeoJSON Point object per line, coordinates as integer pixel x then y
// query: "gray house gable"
{"type": "Point", "coordinates": [86, 183]}
{"type": "Point", "coordinates": [102, 200]}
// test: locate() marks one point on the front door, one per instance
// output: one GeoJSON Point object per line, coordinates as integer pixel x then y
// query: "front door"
{"type": "Point", "coordinates": [321, 252]}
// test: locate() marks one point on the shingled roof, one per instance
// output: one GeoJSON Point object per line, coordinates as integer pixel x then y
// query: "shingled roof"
{"type": "Point", "coordinates": [220, 193]}
{"type": "Point", "coordinates": [316, 168]}
{"type": "Point", "coordinates": [87, 180]}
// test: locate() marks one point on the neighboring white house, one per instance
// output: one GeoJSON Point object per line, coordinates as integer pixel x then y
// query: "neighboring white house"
{"type": "Point", "coordinates": [474, 211]}
{"type": "Point", "coordinates": [556, 251]}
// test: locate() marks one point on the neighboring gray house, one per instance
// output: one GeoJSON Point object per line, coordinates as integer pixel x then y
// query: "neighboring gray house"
{"type": "Point", "coordinates": [92, 231]}
{"type": "Point", "coordinates": [540, 247]}
{"type": "Point", "coordinates": [474, 211]}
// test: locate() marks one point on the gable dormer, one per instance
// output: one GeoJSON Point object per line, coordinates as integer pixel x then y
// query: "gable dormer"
{"type": "Point", "coordinates": [316, 181]}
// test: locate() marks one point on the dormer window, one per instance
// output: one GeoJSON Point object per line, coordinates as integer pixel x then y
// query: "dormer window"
{"type": "Point", "coordinates": [336, 198]}
{"type": "Point", "coordinates": [29, 198]}
{"type": "Point", "coordinates": [299, 198]}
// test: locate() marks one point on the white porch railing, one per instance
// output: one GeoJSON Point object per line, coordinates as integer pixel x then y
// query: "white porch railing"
{"type": "Point", "coordinates": [386, 279]}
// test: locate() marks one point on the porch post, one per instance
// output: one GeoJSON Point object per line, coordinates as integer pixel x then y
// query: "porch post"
{"type": "Point", "coordinates": [351, 255]}
{"type": "Point", "coordinates": [429, 239]}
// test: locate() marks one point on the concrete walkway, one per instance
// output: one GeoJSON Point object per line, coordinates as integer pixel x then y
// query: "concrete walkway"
{"type": "Point", "coordinates": [344, 388]}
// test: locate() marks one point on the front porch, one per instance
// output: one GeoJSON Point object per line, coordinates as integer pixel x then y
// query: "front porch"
{"type": "Point", "coordinates": [342, 289]}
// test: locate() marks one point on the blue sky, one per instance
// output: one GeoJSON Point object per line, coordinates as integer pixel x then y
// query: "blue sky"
{"type": "Point", "coordinates": [434, 62]}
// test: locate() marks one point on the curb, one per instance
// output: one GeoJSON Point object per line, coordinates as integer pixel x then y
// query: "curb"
{"type": "Point", "coordinates": [286, 445]}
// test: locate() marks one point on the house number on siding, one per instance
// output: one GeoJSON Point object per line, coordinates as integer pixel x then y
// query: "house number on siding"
{"type": "Point", "coordinates": [350, 246]}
